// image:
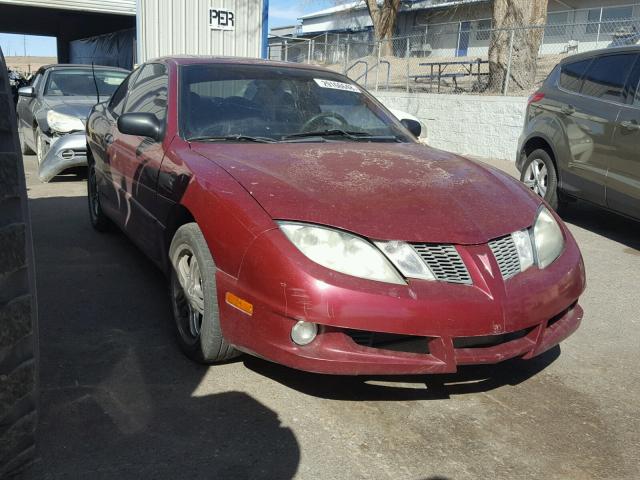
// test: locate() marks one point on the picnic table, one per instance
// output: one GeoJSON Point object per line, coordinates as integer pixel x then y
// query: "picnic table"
{"type": "Point", "coordinates": [467, 71]}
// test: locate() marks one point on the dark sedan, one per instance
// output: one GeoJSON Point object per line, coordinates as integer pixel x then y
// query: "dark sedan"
{"type": "Point", "coordinates": [52, 112]}
{"type": "Point", "coordinates": [299, 221]}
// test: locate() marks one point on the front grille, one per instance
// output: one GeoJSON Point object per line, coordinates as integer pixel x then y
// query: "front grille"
{"type": "Point", "coordinates": [389, 341]}
{"type": "Point", "coordinates": [504, 249]}
{"type": "Point", "coordinates": [444, 261]}
{"type": "Point", "coordinates": [490, 340]}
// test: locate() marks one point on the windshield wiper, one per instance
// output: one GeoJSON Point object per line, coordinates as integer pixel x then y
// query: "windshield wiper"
{"type": "Point", "coordinates": [232, 138]}
{"type": "Point", "coordinates": [337, 132]}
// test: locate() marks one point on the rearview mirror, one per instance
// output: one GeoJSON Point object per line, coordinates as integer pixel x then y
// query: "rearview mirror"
{"type": "Point", "coordinates": [414, 127]}
{"type": "Point", "coordinates": [140, 124]}
{"type": "Point", "coordinates": [26, 92]}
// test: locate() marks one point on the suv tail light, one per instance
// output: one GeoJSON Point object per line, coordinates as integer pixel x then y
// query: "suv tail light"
{"type": "Point", "coordinates": [536, 97]}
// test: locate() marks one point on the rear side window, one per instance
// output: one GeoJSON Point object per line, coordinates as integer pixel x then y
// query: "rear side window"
{"type": "Point", "coordinates": [571, 75]}
{"type": "Point", "coordinates": [606, 77]}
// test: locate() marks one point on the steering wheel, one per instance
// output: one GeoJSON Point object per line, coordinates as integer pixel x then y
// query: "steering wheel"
{"type": "Point", "coordinates": [307, 127]}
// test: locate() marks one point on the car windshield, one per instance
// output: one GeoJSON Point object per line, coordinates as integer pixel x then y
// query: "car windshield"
{"type": "Point", "coordinates": [268, 103]}
{"type": "Point", "coordinates": [80, 82]}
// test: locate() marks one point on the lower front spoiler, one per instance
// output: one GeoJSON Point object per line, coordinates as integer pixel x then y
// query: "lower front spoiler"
{"type": "Point", "coordinates": [68, 151]}
{"type": "Point", "coordinates": [334, 352]}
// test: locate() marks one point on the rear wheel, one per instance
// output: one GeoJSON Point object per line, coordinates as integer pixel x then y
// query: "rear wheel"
{"type": "Point", "coordinates": [539, 174]}
{"type": "Point", "coordinates": [194, 297]}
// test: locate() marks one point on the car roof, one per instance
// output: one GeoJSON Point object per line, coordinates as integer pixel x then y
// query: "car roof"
{"type": "Point", "coordinates": [602, 51]}
{"type": "Point", "coordinates": [204, 60]}
{"type": "Point", "coordinates": [60, 66]}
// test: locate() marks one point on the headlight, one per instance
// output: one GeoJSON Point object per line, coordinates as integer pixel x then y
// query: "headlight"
{"type": "Point", "coordinates": [547, 238]}
{"type": "Point", "coordinates": [61, 123]}
{"type": "Point", "coordinates": [341, 251]}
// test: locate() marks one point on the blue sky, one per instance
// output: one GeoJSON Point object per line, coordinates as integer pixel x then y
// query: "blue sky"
{"type": "Point", "coordinates": [36, 46]}
{"type": "Point", "coordinates": [281, 12]}
{"type": "Point", "coordinates": [285, 12]}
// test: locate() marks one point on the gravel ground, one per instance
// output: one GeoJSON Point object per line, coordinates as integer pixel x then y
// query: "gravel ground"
{"type": "Point", "coordinates": [118, 399]}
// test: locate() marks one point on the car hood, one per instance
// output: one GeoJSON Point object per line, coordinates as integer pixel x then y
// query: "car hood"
{"type": "Point", "coordinates": [382, 191]}
{"type": "Point", "coordinates": [78, 107]}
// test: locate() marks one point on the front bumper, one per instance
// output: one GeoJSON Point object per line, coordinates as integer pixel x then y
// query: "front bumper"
{"type": "Point", "coordinates": [67, 151]}
{"type": "Point", "coordinates": [487, 322]}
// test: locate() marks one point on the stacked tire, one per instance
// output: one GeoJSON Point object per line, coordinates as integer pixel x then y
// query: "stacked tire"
{"type": "Point", "coordinates": [18, 314]}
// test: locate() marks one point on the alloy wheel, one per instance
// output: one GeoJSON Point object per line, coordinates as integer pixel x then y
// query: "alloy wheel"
{"type": "Point", "coordinates": [536, 177]}
{"type": "Point", "coordinates": [188, 296]}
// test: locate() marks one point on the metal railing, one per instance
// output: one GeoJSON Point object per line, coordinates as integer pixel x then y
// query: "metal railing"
{"type": "Point", "coordinates": [455, 58]}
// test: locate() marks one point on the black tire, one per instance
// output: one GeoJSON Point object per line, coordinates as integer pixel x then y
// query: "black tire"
{"type": "Point", "coordinates": [24, 148]}
{"type": "Point", "coordinates": [18, 311]}
{"type": "Point", "coordinates": [205, 344]}
{"type": "Point", "coordinates": [98, 219]}
{"type": "Point", "coordinates": [535, 159]}
{"type": "Point", "coordinates": [42, 148]}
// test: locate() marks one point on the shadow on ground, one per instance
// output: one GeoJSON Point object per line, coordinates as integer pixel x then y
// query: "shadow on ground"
{"type": "Point", "coordinates": [469, 379]}
{"type": "Point", "coordinates": [608, 224]}
{"type": "Point", "coordinates": [116, 393]}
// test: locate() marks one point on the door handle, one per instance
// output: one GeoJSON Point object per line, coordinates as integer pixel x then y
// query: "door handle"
{"type": "Point", "coordinates": [108, 139]}
{"type": "Point", "coordinates": [568, 110]}
{"type": "Point", "coordinates": [631, 125]}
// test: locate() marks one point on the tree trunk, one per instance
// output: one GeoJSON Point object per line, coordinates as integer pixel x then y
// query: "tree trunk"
{"type": "Point", "coordinates": [384, 19]}
{"type": "Point", "coordinates": [508, 18]}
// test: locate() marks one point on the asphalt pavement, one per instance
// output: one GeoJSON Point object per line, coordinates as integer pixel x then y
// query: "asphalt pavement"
{"type": "Point", "coordinates": [119, 400]}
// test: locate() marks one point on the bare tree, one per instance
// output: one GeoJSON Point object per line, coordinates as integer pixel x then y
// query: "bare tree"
{"type": "Point", "coordinates": [384, 19]}
{"type": "Point", "coordinates": [508, 18]}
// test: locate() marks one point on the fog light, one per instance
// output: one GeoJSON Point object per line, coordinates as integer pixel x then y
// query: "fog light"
{"type": "Point", "coordinates": [303, 333]}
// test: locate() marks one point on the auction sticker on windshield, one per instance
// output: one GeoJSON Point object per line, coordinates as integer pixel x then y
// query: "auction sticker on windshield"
{"type": "Point", "coordinates": [336, 85]}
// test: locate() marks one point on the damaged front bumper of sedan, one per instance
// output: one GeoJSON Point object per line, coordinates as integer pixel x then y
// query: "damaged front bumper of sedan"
{"type": "Point", "coordinates": [64, 153]}
{"type": "Point", "coordinates": [365, 327]}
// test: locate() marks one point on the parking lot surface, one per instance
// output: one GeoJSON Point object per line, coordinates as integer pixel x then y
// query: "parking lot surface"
{"type": "Point", "coordinates": [119, 400]}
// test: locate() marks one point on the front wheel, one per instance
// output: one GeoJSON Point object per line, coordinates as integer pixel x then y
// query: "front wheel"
{"type": "Point", "coordinates": [42, 147]}
{"type": "Point", "coordinates": [98, 219]}
{"type": "Point", "coordinates": [194, 297]}
{"type": "Point", "coordinates": [539, 174]}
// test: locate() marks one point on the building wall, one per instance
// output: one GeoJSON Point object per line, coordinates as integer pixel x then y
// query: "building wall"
{"type": "Point", "coordinates": [481, 126]}
{"type": "Point", "coordinates": [126, 7]}
{"type": "Point", "coordinates": [174, 27]}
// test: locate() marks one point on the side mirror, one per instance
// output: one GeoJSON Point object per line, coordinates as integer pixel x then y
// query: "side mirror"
{"type": "Point", "coordinates": [140, 124]}
{"type": "Point", "coordinates": [27, 92]}
{"type": "Point", "coordinates": [414, 127]}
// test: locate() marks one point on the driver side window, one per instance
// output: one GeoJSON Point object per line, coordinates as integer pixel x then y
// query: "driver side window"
{"type": "Point", "coordinates": [116, 104]}
{"type": "Point", "coordinates": [149, 93]}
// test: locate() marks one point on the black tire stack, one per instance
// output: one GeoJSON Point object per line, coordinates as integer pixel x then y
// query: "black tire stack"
{"type": "Point", "coordinates": [18, 310]}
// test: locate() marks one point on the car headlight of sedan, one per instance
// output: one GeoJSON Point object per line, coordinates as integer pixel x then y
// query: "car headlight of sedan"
{"type": "Point", "coordinates": [62, 123]}
{"type": "Point", "coordinates": [547, 238]}
{"type": "Point", "coordinates": [341, 251]}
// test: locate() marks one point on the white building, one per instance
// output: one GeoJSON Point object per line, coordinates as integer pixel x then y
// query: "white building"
{"type": "Point", "coordinates": [462, 27]}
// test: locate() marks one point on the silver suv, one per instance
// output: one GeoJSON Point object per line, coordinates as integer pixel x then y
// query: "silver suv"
{"type": "Point", "coordinates": [581, 137]}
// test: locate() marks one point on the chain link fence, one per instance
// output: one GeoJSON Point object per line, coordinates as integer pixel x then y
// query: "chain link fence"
{"type": "Point", "coordinates": [455, 58]}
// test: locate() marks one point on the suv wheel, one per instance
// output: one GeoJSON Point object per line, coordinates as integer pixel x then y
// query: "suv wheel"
{"type": "Point", "coordinates": [539, 174]}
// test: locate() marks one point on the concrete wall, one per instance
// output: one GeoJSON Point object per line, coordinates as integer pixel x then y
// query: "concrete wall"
{"type": "Point", "coordinates": [481, 126]}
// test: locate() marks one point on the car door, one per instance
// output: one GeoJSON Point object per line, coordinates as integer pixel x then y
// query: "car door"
{"type": "Point", "coordinates": [100, 135]}
{"type": "Point", "coordinates": [25, 112]}
{"type": "Point", "coordinates": [623, 179]}
{"type": "Point", "coordinates": [136, 160]}
{"type": "Point", "coordinates": [588, 110]}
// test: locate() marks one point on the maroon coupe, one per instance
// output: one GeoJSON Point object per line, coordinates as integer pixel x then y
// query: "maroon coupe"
{"type": "Point", "coordinates": [299, 221]}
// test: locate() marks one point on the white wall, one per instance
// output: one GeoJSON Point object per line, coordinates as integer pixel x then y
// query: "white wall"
{"type": "Point", "coordinates": [481, 126]}
{"type": "Point", "coordinates": [175, 27]}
